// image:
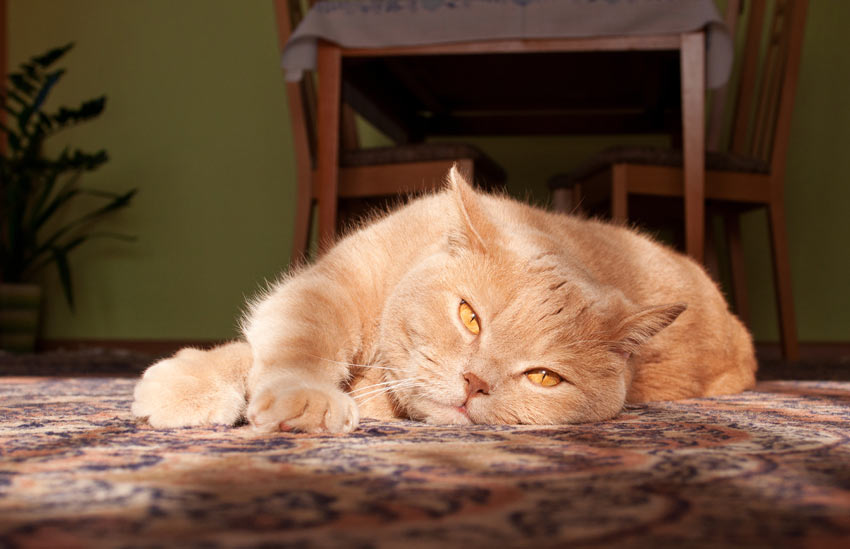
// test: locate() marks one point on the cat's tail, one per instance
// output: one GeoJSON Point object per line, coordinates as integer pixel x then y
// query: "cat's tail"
{"type": "Point", "coordinates": [195, 387]}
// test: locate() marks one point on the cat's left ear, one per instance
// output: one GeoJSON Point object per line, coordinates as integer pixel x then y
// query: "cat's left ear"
{"type": "Point", "coordinates": [638, 327]}
{"type": "Point", "coordinates": [474, 228]}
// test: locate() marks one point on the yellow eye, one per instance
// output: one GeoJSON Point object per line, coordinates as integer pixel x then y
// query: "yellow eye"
{"type": "Point", "coordinates": [468, 317]}
{"type": "Point", "coordinates": [543, 377]}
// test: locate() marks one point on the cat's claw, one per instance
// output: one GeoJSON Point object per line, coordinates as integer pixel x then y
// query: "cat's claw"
{"type": "Point", "coordinates": [308, 409]}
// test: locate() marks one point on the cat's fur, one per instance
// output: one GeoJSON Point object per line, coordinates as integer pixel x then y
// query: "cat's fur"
{"type": "Point", "coordinates": [619, 317]}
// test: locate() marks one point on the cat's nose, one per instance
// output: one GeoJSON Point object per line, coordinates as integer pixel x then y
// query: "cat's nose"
{"type": "Point", "coordinates": [475, 385]}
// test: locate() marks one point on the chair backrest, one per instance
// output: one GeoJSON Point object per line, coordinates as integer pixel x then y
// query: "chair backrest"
{"type": "Point", "coordinates": [767, 69]}
{"type": "Point", "coordinates": [720, 97]}
{"type": "Point", "coordinates": [302, 95]}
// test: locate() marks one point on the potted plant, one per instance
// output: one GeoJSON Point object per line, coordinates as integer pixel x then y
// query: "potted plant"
{"type": "Point", "coordinates": [36, 188]}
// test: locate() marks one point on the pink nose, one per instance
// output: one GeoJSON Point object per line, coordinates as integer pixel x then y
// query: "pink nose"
{"type": "Point", "coordinates": [475, 385]}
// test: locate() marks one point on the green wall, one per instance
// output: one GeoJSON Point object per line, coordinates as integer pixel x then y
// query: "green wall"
{"type": "Point", "coordinates": [817, 188]}
{"type": "Point", "coordinates": [196, 118]}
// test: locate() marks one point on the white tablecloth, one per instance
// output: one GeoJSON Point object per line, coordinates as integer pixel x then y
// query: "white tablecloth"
{"type": "Point", "coordinates": [377, 23]}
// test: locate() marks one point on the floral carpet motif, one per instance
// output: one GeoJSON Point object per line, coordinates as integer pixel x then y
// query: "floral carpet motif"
{"type": "Point", "coordinates": [767, 468]}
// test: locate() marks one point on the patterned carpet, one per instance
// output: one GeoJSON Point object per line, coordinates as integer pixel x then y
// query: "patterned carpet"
{"type": "Point", "coordinates": [769, 468]}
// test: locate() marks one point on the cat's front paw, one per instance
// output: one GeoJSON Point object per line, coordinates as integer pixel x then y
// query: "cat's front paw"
{"type": "Point", "coordinates": [309, 409]}
{"type": "Point", "coordinates": [169, 396]}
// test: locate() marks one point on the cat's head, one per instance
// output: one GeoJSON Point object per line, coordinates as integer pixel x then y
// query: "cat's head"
{"type": "Point", "coordinates": [496, 328]}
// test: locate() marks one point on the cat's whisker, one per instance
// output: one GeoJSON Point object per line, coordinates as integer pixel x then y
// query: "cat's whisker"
{"type": "Point", "coordinates": [412, 386]}
{"type": "Point", "coordinates": [376, 367]}
{"type": "Point", "coordinates": [365, 387]}
{"type": "Point", "coordinates": [353, 364]}
{"type": "Point", "coordinates": [362, 402]}
{"type": "Point", "coordinates": [384, 389]}
{"type": "Point", "coordinates": [401, 383]}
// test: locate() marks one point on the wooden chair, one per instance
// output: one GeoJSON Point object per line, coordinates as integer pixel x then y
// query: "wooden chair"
{"type": "Point", "coordinates": [382, 172]}
{"type": "Point", "coordinates": [750, 173]}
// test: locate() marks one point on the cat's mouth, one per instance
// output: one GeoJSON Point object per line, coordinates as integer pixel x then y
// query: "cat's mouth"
{"type": "Point", "coordinates": [441, 412]}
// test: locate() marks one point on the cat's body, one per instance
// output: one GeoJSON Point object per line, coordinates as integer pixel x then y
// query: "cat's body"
{"type": "Point", "coordinates": [465, 308]}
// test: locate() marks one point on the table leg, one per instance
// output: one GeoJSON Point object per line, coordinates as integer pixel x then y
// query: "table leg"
{"type": "Point", "coordinates": [619, 195]}
{"type": "Point", "coordinates": [693, 122]}
{"type": "Point", "coordinates": [329, 65]}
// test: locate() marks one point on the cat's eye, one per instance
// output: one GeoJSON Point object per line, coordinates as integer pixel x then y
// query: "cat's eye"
{"type": "Point", "coordinates": [542, 377]}
{"type": "Point", "coordinates": [468, 317]}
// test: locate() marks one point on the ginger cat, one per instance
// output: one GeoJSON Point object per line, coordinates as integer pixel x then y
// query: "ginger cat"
{"type": "Point", "coordinates": [464, 308]}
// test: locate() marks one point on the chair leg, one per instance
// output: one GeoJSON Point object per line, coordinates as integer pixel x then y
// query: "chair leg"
{"type": "Point", "coordinates": [329, 61]}
{"type": "Point", "coordinates": [577, 200]}
{"type": "Point", "coordinates": [692, 64]}
{"type": "Point", "coordinates": [467, 168]}
{"type": "Point", "coordinates": [619, 194]}
{"type": "Point", "coordinates": [712, 264]}
{"type": "Point", "coordinates": [562, 200]}
{"type": "Point", "coordinates": [303, 222]}
{"type": "Point", "coordinates": [782, 278]}
{"type": "Point", "coordinates": [732, 222]}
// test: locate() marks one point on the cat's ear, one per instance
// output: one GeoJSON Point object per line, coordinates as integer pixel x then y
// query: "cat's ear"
{"type": "Point", "coordinates": [638, 327]}
{"type": "Point", "coordinates": [473, 228]}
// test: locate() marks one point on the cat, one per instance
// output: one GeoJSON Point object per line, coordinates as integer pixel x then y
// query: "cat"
{"type": "Point", "coordinates": [460, 308]}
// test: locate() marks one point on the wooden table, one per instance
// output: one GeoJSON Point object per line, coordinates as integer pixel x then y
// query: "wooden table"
{"type": "Point", "coordinates": [690, 46]}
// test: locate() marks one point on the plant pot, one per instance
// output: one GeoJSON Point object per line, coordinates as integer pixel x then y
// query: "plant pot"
{"type": "Point", "coordinates": [20, 305]}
